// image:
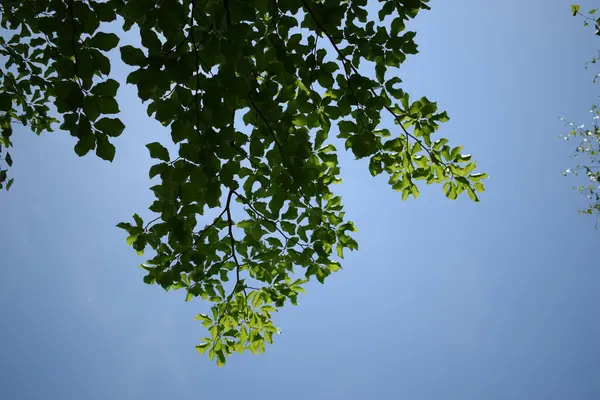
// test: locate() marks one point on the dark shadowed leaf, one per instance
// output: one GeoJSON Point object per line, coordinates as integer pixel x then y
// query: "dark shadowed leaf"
{"type": "Point", "coordinates": [110, 126]}
{"type": "Point", "coordinates": [158, 151]}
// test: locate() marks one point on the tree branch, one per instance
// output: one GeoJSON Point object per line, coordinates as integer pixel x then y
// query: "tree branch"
{"type": "Point", "coordinates": [232, 239]}
{"type": "Point", "coordinates": [238, 266]}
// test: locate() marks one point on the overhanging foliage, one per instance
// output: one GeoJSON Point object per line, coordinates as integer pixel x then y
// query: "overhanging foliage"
{"type": "Point", "coordinates": [251, 91]}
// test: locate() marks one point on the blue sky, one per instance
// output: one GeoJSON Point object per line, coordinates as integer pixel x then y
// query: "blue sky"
{"type": "Point", "coordinates": [444, 300]}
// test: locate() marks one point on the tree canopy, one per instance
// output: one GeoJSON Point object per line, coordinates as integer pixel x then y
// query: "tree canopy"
{"type": "Point", "coordinates": [587, 152]}
{"type": "Point", "coordinates": [256, 94]}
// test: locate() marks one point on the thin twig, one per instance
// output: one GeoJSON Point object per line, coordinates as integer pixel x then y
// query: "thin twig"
{"type": "Point", "coordinates": [151, 222]}
{"type": "Point", "coordinates": [233, 254]}
{"type": "Point", "coordinates": [232, 239]}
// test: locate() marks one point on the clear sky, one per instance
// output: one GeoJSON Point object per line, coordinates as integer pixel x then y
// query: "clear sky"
{"type": "Point", "coordinates": [444, 300]}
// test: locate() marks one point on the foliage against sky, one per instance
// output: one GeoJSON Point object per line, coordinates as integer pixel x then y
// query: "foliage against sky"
{"type": "Point", "coordinates": [250, 91]}
{"type": "Point", "coordinates": [587, 152]}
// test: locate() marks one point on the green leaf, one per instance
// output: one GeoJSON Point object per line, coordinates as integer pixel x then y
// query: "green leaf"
{"type": "Point", "coordinates": [91, 108]}
{"type": "Point", "coordinates": [157, 169]}
{"type": "Point", "coordinates": [85, 67]}
{"type": "Point", "coordinates": [299, 120]}
{"type": "Point", "coordinates": [396, 93]}
{"type": "Point", "coordinates": [220, 358]}
{"type": "Point", "coordinates": [405, 193]}
{"type": "Point", "coordinates": [104, 41]}
{"type": "Point", "coordinates": [107, 105]}
{"type": "Point", "coordinates": [158, 151]}
{"type": "Point", "coordinates": [107, 88]}
{"type": "Point", "coordinates": [202, 317]}
{"type": "Point", "coordinates": [104, 149]}
{"type": "Point", "coordinates": [478, 176]}
{"type": "Point", "coordinates": [472, 194]}
{"type": "Point", "coordinates": [202, 347]}
{"type": "Point", "coordinates": [150, 40]}
{"type": "Point", "coordinates": [380, 71]}
{"type": "Point", "coordinates": [347, 127]}
{"type": "Point", "coordinates": [87, 140]}
{"type": "Point", "coordinates": [110, 126]}
{"type": "Point", "coordinates": [101, 62]}
{"type": "Point", "coordinates": [133, 56]}
{"type": "Point", "coordinates": [334, 267]}
{"type": "Point", "coordinates": [138, 220]}
{"type": "Point", "coordinates": [245, 224]}
{"type": "Point", "coordinates": [104, 11]}
{"type": "Point", "coordinates": [375, 166]}
{"type": "Point", "coordinates": [397, 26]}
{"type": "Point", "coordinates": [574, 9]}
{"type": "Point", "coordinates": [5, 101]}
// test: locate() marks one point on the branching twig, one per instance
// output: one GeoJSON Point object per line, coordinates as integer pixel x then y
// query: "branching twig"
{"type": "Point", "coordinates": [232, 239]}
{"type": "Point", "coordinates": [238, 266]}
